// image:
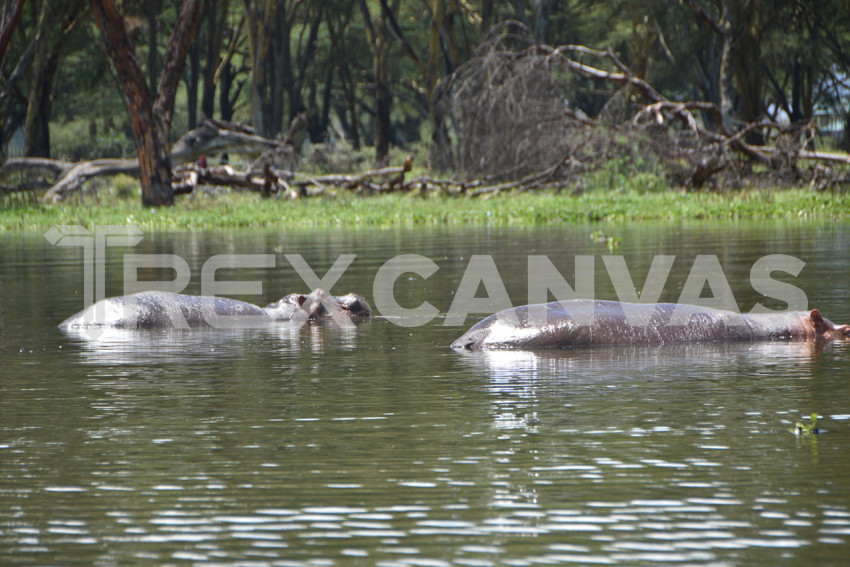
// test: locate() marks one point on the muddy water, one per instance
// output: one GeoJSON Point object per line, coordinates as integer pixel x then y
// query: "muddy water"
{"type": "Point", "coordinates": [321, 446]}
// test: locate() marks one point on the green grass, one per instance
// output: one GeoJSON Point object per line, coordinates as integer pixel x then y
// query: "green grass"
{"type": "Point", "coordinates": [546, 208]}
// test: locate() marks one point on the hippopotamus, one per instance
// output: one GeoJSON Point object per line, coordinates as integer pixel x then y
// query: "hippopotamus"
{"type": "Point", "coordinates": [580, 322]}
{"type": "Point", "coordinates": [159, 309]}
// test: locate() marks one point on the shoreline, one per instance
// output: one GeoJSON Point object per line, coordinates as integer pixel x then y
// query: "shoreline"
{"type": "Point", "coordinates": [545, 208]}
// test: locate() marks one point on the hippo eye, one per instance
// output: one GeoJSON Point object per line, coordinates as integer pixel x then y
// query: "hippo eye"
{"type": "Point", "coordinates": [301, 299]}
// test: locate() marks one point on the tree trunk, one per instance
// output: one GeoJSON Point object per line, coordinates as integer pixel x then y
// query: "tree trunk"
{"type": "Point", "coordinates": [541, 20]}
{"type": "Point", "coordinates": [262, 18]}
{"type": "Point", "coordinates": [151, 119]}
{"type": "Point", "coordinates": [383, 105]}
{"type": "Point", "coordinates": [224, 76]}
{"type": "Point", "coordinates": [282, 73]}
{"type": "Point", "coordinates": [152, 13]}
{"type": "Point", "coordinates": [192, 85]}
{"type": "Point", "coordinates": [740, 72]}
{"type": "Point", "coordinates": [225, 105]}
{"type": "Point", "coordinates": [338, 47]}
{"type": "Point", "coordinates": [845, 140]}
{"type": "Point", "coordinates": [378, 34]}
{"type": "Point", "coordinates": [212, 53]}
{"type": "Point", "coordinates": [748, 70]}
{"type": "Point", "coordinates": [7, 27]}
{"type": "Point", "coordinates": [37, 133]}
{"type": "Point", "coordinates": [327, 94]}
{"type": "Point", "coordinates": [442, 41]}
{"type": "Point", "coordinates": [351, 105]}
{"type": "Point", "coordinates": [486, 16]}
{"type": "Point", "coordinates": [8, 24]}
{"type": "Point", "coordinates": [726, 72]}
{"type": "Point", "coordinates": [305, 56]}
{"type": "Point", "coordinates": [49, 49]}
{"type": "Point", "coordinates": [796, 113]}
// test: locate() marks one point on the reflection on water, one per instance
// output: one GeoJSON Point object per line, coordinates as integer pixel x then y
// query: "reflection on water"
{"type": "Point", "coordinates": [110, 346]}
{"type": "Point", "coordinates": [594, 363]}
{"type": "Point", "coordinates": [385, 447]}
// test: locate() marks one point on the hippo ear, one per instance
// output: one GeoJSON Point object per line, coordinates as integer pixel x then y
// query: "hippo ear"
{"type": "Point", "coordinates": [820, 325]}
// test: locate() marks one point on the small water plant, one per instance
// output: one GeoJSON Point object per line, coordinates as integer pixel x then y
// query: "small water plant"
{"type": "Point", "coordinates": [810, 428]}
{"type": "Point", "coordinates": [611, 242]}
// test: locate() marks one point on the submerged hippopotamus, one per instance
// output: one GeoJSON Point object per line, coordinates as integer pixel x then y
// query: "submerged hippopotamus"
{"type": "Point", "coordinates": [159, 309]}
{"type": "Point", "coordinates": [592, 322]}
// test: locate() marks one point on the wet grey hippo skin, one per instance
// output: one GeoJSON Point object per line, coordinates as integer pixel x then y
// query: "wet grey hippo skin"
{"type": "Point", "coordinates": [592, 322]}
{"type": "Point", "coordinates": [159, 309]}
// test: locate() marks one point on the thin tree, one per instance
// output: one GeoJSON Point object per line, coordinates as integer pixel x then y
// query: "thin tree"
{"type": "Point", "coordinates": [379, 38]}
{"type": "Point", "coordinates": [51, 38]}
{"type": "Point", "coordinates": [739, 25]}
{"type": "Point", "coordinates": [150, 117]}
{"type": "Point", "coordinates": [8, 20]}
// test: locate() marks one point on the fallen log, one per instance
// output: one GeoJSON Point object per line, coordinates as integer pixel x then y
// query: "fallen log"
{"type": "Point", "coordinates": [831, 157]}
{"type": "Point", "coordinates": [35, 166]}
{"type": "Point", "coordinates": [271, 181]}
{"type": "Point", "coordinates": [78, 173]}
{"type": "Point", "coordinates": [211, 137]}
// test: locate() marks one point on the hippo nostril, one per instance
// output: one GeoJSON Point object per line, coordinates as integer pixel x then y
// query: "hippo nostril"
{"type": "Point", "coordinates": [468, 344]}
{"type": "Point", "coordinates": [354, 307]}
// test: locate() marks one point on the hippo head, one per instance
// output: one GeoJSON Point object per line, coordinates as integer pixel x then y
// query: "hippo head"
{"type": "Point", "coordinates": [473, 339]}
{"type": "Point", "coordinates": [510, 328]}
{"type": "Point", "coordinates": [354, 305]}
{"type": "Point", "coordinates": [319, 304]}
{"type": "Point", "coordinates": [816, 325]}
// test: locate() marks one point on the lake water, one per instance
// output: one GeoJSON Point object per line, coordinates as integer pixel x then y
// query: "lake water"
{"type": "Point", "coordinates": [382, 446]}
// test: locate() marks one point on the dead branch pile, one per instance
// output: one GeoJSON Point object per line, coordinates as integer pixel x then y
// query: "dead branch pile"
{"type": "Point", "coordinates": [516, 109]}
{"type": "Point", "coordinates": [269, 181]}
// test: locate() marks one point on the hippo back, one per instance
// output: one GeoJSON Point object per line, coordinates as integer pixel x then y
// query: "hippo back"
{"type": "Point", "coordinates": [594, 322]}
{"type": "Point", "coordinates": [158, 309]}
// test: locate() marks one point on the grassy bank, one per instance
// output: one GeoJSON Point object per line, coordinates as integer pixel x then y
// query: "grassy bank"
{"type": "Point", "coordinates": [245, 211]}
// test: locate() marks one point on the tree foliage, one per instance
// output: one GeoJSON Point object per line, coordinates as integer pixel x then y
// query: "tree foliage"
{"type": "Point", "coordinates": [381, 72]}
